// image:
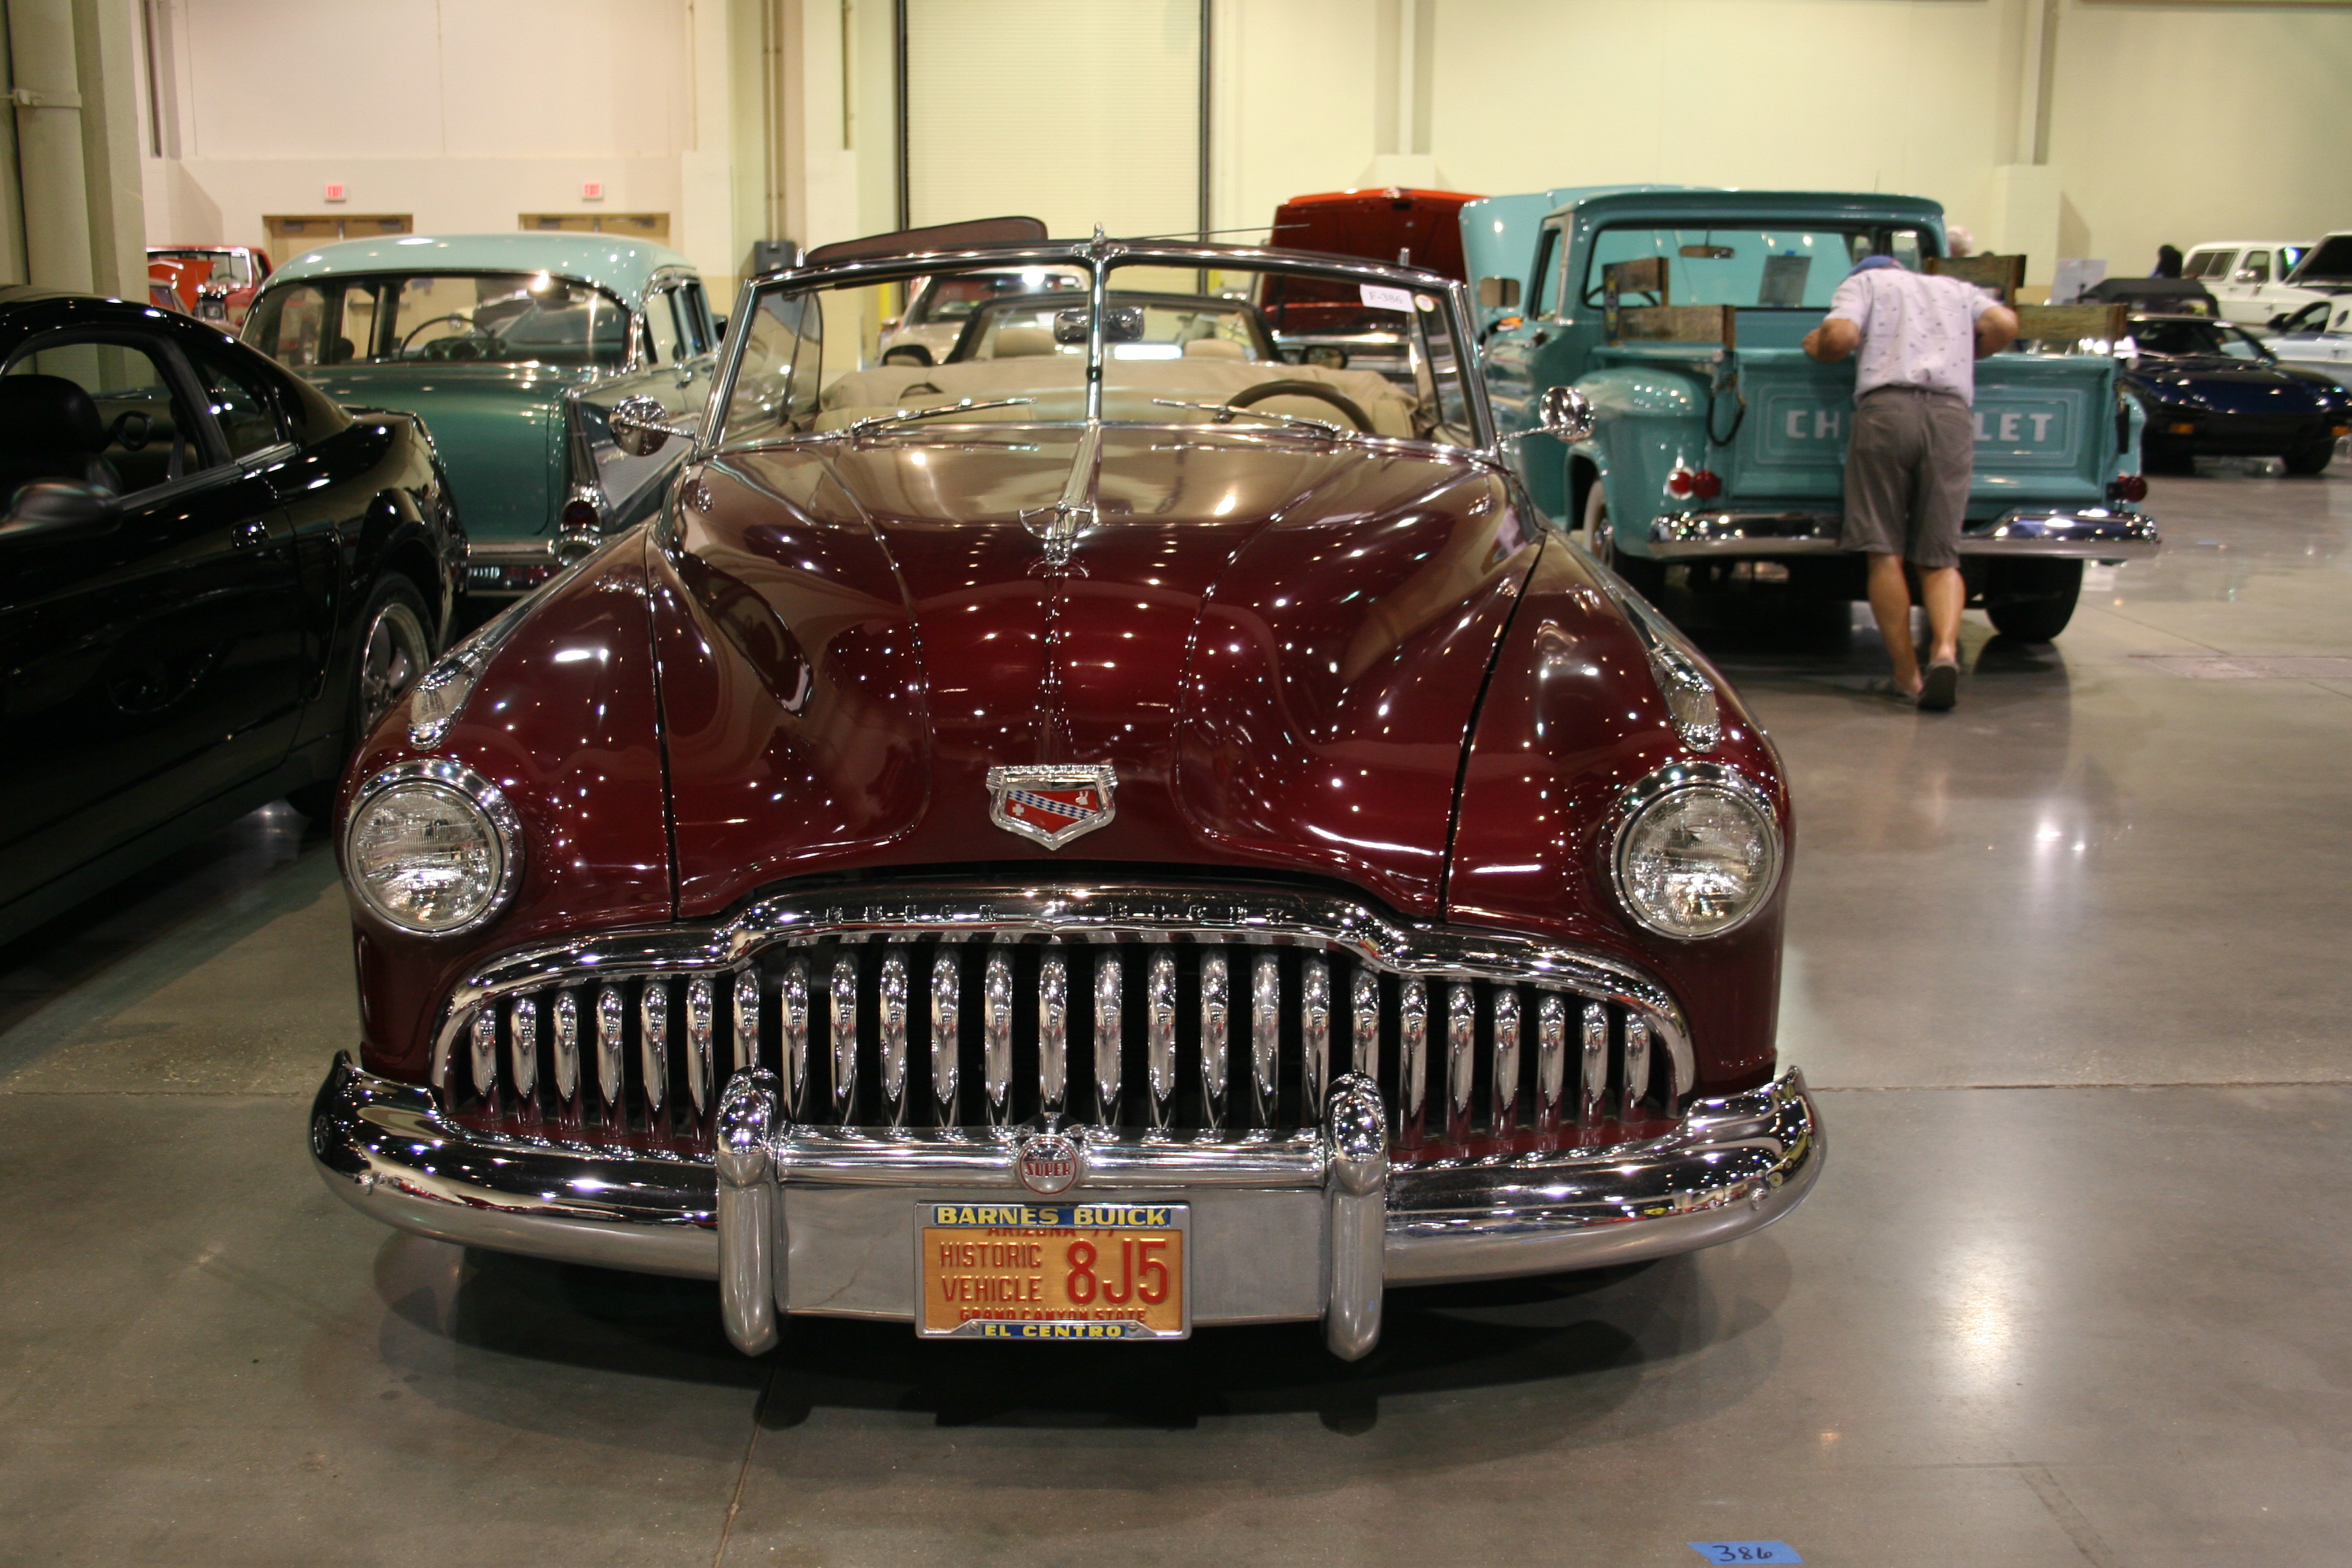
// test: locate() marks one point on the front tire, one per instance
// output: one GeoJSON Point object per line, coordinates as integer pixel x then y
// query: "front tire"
{"type": "Point", "coordinates": [1646, 578]}
{"type": "Point", "coordinates": [2033, 600]}
{"type": "Point", "coordinates": [395, 649]}
{"type": "Point", "coordinates": [2312, 457]}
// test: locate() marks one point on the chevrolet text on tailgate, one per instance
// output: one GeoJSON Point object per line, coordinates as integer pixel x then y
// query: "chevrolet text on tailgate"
{"type": "Point", "coordinates": [1678, 313]}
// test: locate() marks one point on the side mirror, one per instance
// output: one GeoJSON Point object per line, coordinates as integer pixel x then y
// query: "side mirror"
{"type": "Point", "coordinates": [1498, 293]}
{"type": "Point", "coordinates": [640, 425]}
{"type": "Point", "coordinates": [907, 353]}
{"type": "Point", "coordinates": [1564, 414]}
{"type": "Point", "coordinates": [61, 510]}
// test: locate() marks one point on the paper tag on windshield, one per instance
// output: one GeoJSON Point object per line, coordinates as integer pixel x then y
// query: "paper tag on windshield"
{"type": "Point", "coordinates": [1381, 296]}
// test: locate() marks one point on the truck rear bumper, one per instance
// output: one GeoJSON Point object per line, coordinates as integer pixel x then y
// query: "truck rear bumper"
{"type": "Point", "coordinates": [2092, 533]}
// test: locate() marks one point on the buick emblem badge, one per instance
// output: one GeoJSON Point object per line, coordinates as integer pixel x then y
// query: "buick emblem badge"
{"type": "Point", "coordinates": [1048, 1164]}
{"type": "Point", "coordinates": [1052, 805]}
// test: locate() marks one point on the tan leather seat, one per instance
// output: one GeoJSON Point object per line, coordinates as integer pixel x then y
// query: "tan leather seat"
{"type": "Point", "coordinates": [1129, 387]}
{"type": "Point", "coordinates": [1215, 347]}
{"type": "Point", "coordinates": [1020, 343]}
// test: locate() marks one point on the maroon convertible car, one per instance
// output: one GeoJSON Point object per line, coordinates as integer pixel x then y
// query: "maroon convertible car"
{"type": "Point", "coordinates": [1109, 832]}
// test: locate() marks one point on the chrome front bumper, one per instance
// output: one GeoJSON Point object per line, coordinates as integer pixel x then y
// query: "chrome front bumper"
{"type": "Point", "coordinates": [2093, 533]}
{"type": "Point", "coordinates": [820, 1220]}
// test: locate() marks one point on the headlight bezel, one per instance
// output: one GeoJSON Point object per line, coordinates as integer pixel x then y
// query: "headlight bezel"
{"type": "Point", "coordinates": [468, 787]}
{"type": "Point", "coordinates": [1683, 778]}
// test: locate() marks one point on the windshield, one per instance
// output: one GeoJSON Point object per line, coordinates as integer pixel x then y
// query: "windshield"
{"type": "Point", "coordinates": [2330, 261]}
{"type": "Point", "coordinates": [1182, 344]}
{"type": "Point", "coordinates": [226, 267]}
{"type": "Point", "coordinates": [2157, 335]}
{"type": "Point", "coordinates": [952, 299]}
{"type": "Point", "coordinates": [1753, 268]}
{"type": "Point", "coordinates": [499, 317]}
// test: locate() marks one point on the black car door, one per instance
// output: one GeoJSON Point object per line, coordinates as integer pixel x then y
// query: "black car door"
{"type": "Point", "coordinates": [153, 666]}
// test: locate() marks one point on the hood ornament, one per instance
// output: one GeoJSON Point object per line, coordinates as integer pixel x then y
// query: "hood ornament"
{"type": "Point", "coordinates": [1059, 528]}
{"type": "Point", "coordinates": [1052, 805]}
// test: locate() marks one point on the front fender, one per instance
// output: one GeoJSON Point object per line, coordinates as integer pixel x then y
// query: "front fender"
{"type": "Point", "coordinates": [1650, 422]}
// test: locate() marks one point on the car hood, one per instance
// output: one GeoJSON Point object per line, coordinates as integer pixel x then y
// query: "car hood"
{"type": "Point", "coordinates": [495, 425]}
{"type": "Point", "coordinates": [1277, 642]}
{"type": "Point", "coordinates": [2230, 385]}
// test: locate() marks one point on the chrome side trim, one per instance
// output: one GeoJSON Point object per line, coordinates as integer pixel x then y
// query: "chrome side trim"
{"type": "Point", "coordinates": [2097, 533]}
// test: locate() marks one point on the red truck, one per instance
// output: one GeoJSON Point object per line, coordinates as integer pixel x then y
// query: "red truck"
{"type": "Point", "coordinates": [1327, 323]}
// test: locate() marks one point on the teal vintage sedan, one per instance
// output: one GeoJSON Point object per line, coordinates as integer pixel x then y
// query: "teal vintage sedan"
{"type": "Point", "coordinates": [514, 348]}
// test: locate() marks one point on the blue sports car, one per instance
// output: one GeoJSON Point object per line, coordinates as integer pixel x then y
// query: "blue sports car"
{"type": "Point", "coordinates": [2211, 388]}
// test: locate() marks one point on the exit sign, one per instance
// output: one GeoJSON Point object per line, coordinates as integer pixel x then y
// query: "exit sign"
{"type": "Point", "coordinates": [335, 192]}
{"type": "Point", "coordinates": [592, 190]}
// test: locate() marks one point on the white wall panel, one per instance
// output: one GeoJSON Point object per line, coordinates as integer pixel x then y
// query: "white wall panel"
{"type": "Point", "coordinates": [564, 77]}
{"type": "Point", "coordinates": [1076, 111]}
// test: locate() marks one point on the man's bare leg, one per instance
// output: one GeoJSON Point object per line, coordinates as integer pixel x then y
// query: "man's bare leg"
{"type": "Point", "coordinates": [1944, 593]}
{"type": "Point", "coordinates": [1890, 601]}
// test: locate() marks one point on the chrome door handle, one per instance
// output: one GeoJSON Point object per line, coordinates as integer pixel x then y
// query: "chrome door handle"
{"type": "Point", "coordinates": [252, 531]}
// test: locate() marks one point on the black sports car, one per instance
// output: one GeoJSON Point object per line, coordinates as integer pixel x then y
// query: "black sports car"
{"type": "Point", "coordinates": [2211, 388]}
{"type": "Point", "coordinates": [212, 581]}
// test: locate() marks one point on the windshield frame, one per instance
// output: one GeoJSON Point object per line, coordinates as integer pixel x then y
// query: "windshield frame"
{"type": "Point", "coordinates": [632, 332]}
{"type": "Point", "coordinates": [2228, 329]}
{"type": "Point", "coordinates": [1098, 259]}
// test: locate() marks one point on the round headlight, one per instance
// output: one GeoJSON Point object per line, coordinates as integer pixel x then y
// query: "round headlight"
{"type": "Point", "coordinates": [1698, 850]}
{"type": "Point", "coordinates": [432, 847]}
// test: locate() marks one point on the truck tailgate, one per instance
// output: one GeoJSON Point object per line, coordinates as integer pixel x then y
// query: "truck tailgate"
{"type": "Point", "coordinates": [2045, 429]}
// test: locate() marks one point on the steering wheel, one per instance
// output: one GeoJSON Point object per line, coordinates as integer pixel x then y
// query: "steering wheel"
{"type": "Point", "coordinates": [132, 430]}
{"type": "Point", "coordinates": [410, 336]}
{"type": "Point", "coordinates": [1314, 389]}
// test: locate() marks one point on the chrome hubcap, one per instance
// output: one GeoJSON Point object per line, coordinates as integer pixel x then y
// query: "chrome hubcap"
{"type": "Point", "coordinates": [391, 662]}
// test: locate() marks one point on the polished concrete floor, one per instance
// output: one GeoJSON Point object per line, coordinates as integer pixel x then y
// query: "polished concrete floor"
{"type": "Point", "coordinates": [2067, 964]}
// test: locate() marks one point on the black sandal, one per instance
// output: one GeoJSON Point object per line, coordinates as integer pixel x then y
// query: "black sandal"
{"type": "Point", "coordinates": [1941, 689]}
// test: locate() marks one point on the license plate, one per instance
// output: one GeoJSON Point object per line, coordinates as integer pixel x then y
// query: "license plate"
{"type": "Point", "coordinates": [1053, 1271]}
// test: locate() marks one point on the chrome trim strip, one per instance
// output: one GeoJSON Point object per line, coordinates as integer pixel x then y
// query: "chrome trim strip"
{"type": "Point", "coordinates": [792, 993]}
{"type": "Point", "coordinates": [747, 1020]}
{"type": "Point", "coordinates": [567, 1046]}
{"type": "Point", "coordinates": [1110, 1036]}
{"type": "Point", "coordinates": [1315, 1034]}
{"type": "Point", "coordinates": [1551, 1060]}
{"type": "Point", "coordinates": [1266, 1035]}
{"type": "Point", "coordinates": [996, 1038]}
{"type": "Point", "coordinates": [892, 997]}
{"type": "Point", "coordinates": [485, 1052]}
{"type": "Point", "coordinates": [701, 1020]}
{"type": "Point", "coordinates": [1216, 1037]}
{"type": "Point", "coordinates": [653, 1043]}
{"type": "Point", "coordinates": [1461, 1050]}
{"type": "Point", "coordinates": [1413, 1035]}
{"type": "Point", "coordinates": [1506, 1075]}
{"type": "Point", "coordinates": [1102, 911]}
{"type": "Point", "coordinates": [611, 1020]}
{"type": "Point", "coordinates": [947, 1032]}
{"type": "Point", "coordinates": [2086, 532]}
{"type": "Point", "coordinates": [1637, 1071]}
{"type": "Point", "coordinates": [1595, 1085]}
{"type": "Point", "coordinates": [1052, 1033]}
{"type": "Point", "coordinates": [522, 1046]}
{"type": "Point", "coordinates": [1160, 1038]}
{"type": "Point", "coordinates": [841, 1037]}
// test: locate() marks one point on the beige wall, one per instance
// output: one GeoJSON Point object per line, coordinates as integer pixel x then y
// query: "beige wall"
{"type": "Point", "coordinates": [2169, 120]}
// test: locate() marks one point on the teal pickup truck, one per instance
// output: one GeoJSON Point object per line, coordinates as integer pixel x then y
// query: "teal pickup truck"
{"type": "Point", "coordinates": [1720, 447]}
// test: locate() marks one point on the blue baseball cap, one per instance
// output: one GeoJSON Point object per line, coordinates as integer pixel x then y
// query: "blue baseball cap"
{"type": "Point", "coordinates": [1868, 262]}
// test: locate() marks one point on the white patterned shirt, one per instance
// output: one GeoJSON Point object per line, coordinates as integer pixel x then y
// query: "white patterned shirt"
{"type": "Point", "coordinates": [1917, 330]}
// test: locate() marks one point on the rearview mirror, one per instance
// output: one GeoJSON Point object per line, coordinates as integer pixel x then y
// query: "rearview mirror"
{"type": "Point", "coordinates": [61, 509]}
{"type": "Point", "coordinates": [1564, 414]}
{"type": "Point", "coordinates": [1498, 293]}
{"type": "Point", "coordinates": [1121, 324]}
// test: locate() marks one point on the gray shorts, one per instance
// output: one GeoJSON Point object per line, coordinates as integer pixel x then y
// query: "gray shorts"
{"type": "Point", "coordinates": [1907, 475]}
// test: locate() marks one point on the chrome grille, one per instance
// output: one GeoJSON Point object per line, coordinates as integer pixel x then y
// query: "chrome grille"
{"type": "Point", "coordinates": [1208, 1034]}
